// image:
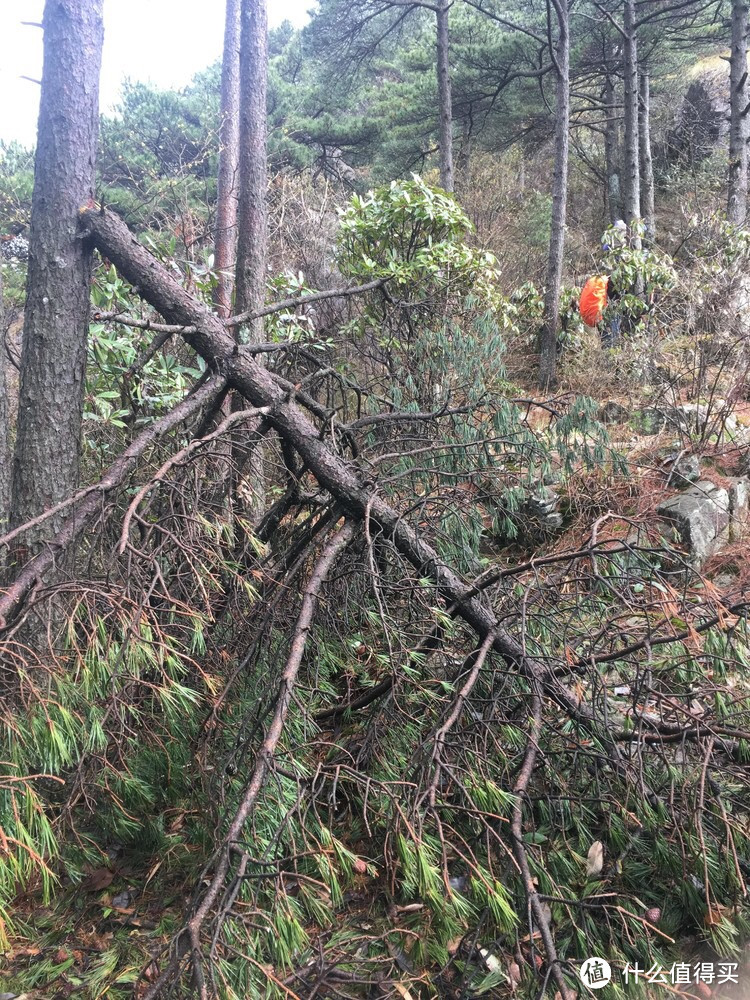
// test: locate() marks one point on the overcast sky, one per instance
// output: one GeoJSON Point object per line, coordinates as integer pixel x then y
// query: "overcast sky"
{"type": "Point", "coordinates": [164, 41]}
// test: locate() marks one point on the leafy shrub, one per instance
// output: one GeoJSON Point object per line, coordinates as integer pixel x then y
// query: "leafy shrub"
{"type": "Point", "coordinates": [413, 235]}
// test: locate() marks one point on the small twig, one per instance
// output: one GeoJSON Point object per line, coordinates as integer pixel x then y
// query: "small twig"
{"type": "Point", "coordinates": [303, 300]}
{"type": "Point", "coordinates": [176, 459]}
{"type": "Point", "coordinates": [479, 657]}
{"type": "Point", "coordinates": [146, 355]}
{"type": "Point", "coordinates": [519, 850]}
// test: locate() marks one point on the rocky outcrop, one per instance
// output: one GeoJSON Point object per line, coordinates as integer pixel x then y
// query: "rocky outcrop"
{"type": "Point", "coordinates": [689, 420]}
{"type": "Point", "coordinates": [542, 508]}
{"type": "Point", "coordinates": [613, 412]}
{"type": "Point", "coordinates": [705, 516]}
{"type": "Point", "coordinates": [739, 504]}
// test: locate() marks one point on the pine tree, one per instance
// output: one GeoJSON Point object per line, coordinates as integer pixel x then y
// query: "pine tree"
{"type": "Point", "coordinates": [48, 441]}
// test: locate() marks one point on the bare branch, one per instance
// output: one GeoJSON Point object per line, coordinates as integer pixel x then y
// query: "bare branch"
{"type": "Point", "coordinates": [189, 936]}
{"type": "Point", "coordinates": [86, 503]}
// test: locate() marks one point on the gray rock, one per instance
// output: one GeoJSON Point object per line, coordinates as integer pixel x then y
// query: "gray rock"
{"type": "Point", "coordinates": [701, 420]}
{"type": "Point", "coordinates": [542, 507]}
{"type": "Point", "coordinates": [650, 420]}
{"type": "Point", "coordinates": [688, 417]}
{"type": "Point", "coordinates": [739, 497]}
{"type": "Point", "coordinates": [701, 516]}
{"type": "Point", "coordinates": [688, 420]}
{"type": "Point", "coordinates": [739, 500]}
{"type": "Point", "coordinates": [686, 470]}
{"type": "Point", "coordinates": [613, 413]}
{"type": "Point", "coordinates": [124, 900]}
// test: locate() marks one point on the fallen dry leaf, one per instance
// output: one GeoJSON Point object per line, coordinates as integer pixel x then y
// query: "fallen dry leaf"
{"type": "Point", "coordinates": [715, 914]}
{"type": "Point", "coordinates": [99, 879]}
{"type": "Point", "coordinates": [151, 972]}
{"type": "Point", "coordinates": [453, 945]}
{"type": "Point", "coordinates": [595, 859]}
{"type": "Point", "coordinates": [403, 991]}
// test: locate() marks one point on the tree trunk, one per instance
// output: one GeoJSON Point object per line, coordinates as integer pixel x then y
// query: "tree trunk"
{"type": "Point", "coordinates": [225, 241]}
{"type": "Point", "coordinates": [738, 131]}
{"type": "Point", "coordinates": [612, 152]}
{"type": "Point", "coordinates": [5, 449]}
{"type": "Point", "coordinates": [53, 358]}
{"type": "Point", "coordinates": [252, 243]}
{"type": "Point", "coordinates": [646, 162]}
{"type": "Point", "coordinates": [548, 335]}
{"type": "Point", "coordinates": [445, 97]}
{"type": "Point", "coordinates": [632, 186]}
{"type": "Point", "coordinates": [463, 160]}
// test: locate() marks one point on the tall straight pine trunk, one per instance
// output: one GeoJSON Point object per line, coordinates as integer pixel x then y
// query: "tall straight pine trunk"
{"type": "Point", "coordinates": [5, 447]}
{"type": "Point", "coordinates": [548, 335]}
{"type": "Point", "coordinates": [738, 116]}
{"type": "Point", "coordinates": [646, 161]}
{"type": "Point", "coordinates": [632, 185]}
{"type": "Point", "coordinates": [225, 240]}
{"type": "Point", "coordinates": [252, 243]}
{"type": "Point", "coordinates": [53, 359]}
{"type": "Point", "coordinates": [445, 95]}
{"type": "Point", "coordinates": [612, 152]}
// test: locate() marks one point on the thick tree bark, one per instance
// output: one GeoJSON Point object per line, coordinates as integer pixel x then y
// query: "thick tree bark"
{"type": "Point", "coordinates": [463, 159]}
{"type": "Point", "coordinates": [5, 448]}
{"type": "Point", "coordinates": [548, 335]}
{"type": "Point", "coordinates": [225, 240]}
{"type": "Point", "coordinates": [646, 161]}
{"type": "Point", "coordinates": [612, 151]}
{"type": "Point", "coordinates": [53, 360]}
{"type": "Point", "coordinates": [252, 245]}
{"type": "Point", "coordinates": [738, 118]}
{"type": "Point", "coordinates": [632, 185]}
{"type": "Point", "coordinates": [445, 95]}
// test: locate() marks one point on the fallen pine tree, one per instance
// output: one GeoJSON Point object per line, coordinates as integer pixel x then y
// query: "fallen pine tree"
{"type": "Point", "coordinates": [523, 705]}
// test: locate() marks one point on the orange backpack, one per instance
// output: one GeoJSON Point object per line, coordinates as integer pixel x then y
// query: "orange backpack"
{"type": "Point", "coordinates": [593, 299]}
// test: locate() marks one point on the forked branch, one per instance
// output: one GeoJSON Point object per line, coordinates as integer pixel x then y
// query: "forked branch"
{"type": "Point", "coordinates": [189, 938]}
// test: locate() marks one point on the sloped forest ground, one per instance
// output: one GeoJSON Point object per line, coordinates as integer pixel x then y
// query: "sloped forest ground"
{"type": "Point", "coordinates": [278, 744]}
